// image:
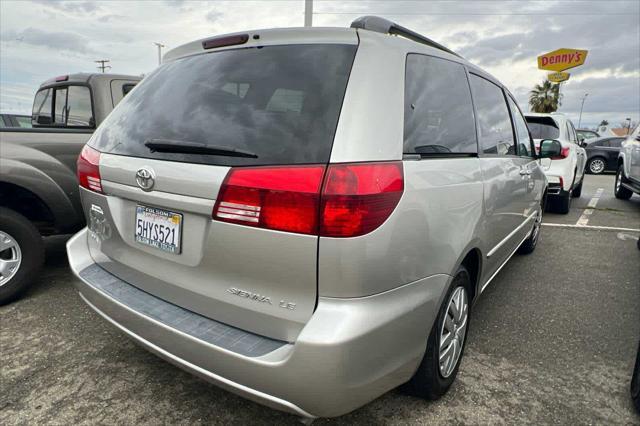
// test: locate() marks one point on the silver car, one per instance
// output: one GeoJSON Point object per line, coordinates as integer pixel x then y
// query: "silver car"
{"type": "Point", "coordinates": [305, 216]}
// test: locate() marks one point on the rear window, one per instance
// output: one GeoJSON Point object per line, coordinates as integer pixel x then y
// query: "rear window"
{"type": "Point", "coordinates": [280, 103]}
{"type": "Point", "coordinates": [543, 128]}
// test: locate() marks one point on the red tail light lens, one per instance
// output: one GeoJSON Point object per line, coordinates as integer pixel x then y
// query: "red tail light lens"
{"type": "Point", "coordinates": [564, 153]}
{"type": "Point", "coordinates": [358, 198]}
{"type": "Point", "coordinates": [88, 169]}
{"type": "Point", "coordinates": [355, 198]}
{"type": "Point", "coordinates": [280, 198]}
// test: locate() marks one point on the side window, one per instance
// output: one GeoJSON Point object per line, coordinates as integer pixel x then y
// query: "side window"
{"type": "Point", "coordinates": [606, 143]}
{"type": "Point", "coordinates": [126, 88]}
{"type": "Point", "coordinates": [41, 113]}
{"type": "Point", "coordinates": [496, 132]}
{"type": "Point", "coordinates": [522, 131]}
{"type": "Point", "coordinates": [60, 111]}
{"type": "Point", "coordinates": [616, 143]}
{"type": "Point", "coordinates": [438, 113]}
{"type": "Point", "coordinates": [79, 110]}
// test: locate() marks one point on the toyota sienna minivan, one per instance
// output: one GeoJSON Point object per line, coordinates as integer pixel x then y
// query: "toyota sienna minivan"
{"type": "Point", "coordinates": [305, 216]}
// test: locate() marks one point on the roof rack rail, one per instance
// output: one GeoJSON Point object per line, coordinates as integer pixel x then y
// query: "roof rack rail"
{"type": "Point", "coordinates": [381, 25]}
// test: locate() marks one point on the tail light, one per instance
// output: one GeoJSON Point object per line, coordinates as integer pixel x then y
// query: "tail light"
{"type": "Point", "coordinates": [564, 153]}
{"type": "Point", "coordinates": [354, 200]}
{"type": "Point", "coordinates": [88, 169]}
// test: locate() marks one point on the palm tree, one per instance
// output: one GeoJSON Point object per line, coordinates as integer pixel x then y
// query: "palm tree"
{"type": "Point", "coordinates": [545, 97]}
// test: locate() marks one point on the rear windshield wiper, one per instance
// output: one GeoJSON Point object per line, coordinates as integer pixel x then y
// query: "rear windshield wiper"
{"type": "Point", "coordinates": [185, 147]}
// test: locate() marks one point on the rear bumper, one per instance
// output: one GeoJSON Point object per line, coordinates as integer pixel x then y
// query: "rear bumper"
{"type": "Point", "coordinates": [350, 352]}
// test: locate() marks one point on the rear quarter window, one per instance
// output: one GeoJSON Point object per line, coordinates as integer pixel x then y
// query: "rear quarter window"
{"type": "Point", "coordinates": [280, 103]}
{"type": "Point", "coordinates": [543, 127]}
{"type": "Point", "coordinates": [438, 113]}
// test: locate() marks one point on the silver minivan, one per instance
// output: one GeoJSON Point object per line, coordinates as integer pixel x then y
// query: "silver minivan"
{"type": "Point", "coordinates": [305, 216]}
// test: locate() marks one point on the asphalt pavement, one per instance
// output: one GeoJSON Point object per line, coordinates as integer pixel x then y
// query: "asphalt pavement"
{"type": "Point", "coordinates": [552, 341]}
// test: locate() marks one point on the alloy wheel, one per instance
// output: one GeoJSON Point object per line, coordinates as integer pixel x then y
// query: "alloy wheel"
{"type": "Point", "coordinates": [596, 166]}
{"type": "Point", "coordinates": [10, 257]}
{"type": "Point", "coordinates": [454, 329]}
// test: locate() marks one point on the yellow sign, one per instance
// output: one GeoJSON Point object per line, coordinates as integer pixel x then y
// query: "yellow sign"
{"type": "Point", "coordinates": [562, 59]}
{"type": "Point", "coordinates": [558, 77]}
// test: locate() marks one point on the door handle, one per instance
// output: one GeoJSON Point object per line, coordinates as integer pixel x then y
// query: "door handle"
{"type": "Point", "coordinates": [525, 172]}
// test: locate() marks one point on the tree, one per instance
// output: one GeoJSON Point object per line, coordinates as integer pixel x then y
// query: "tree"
{"type": "Point", "coordinates": [603, 123]}
{"type": "Point", "coordinates": [545, 97]}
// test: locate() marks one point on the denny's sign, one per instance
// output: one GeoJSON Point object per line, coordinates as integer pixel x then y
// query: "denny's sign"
{"type": "Point", "coordinates": [562, 59]}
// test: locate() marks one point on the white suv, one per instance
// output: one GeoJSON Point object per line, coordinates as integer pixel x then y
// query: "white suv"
{"type": "Point", "coordinates": [565, 172]}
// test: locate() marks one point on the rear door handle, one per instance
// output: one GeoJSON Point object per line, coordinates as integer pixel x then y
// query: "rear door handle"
{"type": "Point", "coordinates": [525, 172]}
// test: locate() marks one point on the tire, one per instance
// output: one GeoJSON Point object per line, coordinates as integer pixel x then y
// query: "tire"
{"type": "Point", "coordinates": [596, 165]}
{"type": "Point", "coordinates": [577, 191]}
{"type": "Point", "coordinates": [620, 191]}
{"type": "Point", "coordinates": [635, 383]}
{"type": "Point", "coordinates": [563, 203]}
{"type": "Point", "coordinates": [429, 381]}
{"type": "Point", "coordinates": [529, 245]}
{"type": "Point", "coordinates": [17, 231]}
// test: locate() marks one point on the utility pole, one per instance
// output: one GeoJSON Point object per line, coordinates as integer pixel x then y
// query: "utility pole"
{"type": "Point", "coordinates": [629, 126]}
{"type": "Point", "coordinates": [582, 106]}
{"type": "Point", "coordinates": [103, 65]}
{"type": "Point", "coordinates": [160, 46]}
{"type": "Point", "coordinates": [308, 13]}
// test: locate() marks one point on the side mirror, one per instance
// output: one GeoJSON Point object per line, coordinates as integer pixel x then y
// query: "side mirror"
{"type": "Point", "coordinates": [550, 148]}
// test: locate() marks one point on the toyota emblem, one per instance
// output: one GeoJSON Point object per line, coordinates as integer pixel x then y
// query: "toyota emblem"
{"type": "Point", "coordinates": [145, 178]}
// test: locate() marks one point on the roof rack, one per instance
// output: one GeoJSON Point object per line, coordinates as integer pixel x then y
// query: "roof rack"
{"type": "Point", "coordinates": [381, 25]}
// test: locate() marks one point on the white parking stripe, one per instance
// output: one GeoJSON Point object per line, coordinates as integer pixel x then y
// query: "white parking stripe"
{"type": "Point", "coordinates": [584, 219]}
{"type": "Point", "coordinates": [597, 228]}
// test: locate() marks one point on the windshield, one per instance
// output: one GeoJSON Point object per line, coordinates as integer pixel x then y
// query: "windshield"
{"type": "Point", "coordinates": [279, 102]}
{"type": "Point", "coordinates": [543, 128]}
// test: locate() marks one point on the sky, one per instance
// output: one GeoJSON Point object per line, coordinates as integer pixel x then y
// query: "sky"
{"type": "Point", "coordinates": [41, 39]}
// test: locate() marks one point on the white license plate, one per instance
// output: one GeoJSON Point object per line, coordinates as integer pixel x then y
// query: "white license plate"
{"type": "Point", "coordinates": [158, 228]}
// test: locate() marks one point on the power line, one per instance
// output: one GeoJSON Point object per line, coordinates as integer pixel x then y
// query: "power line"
{"type": "Point", "coordinates": [476, 14]}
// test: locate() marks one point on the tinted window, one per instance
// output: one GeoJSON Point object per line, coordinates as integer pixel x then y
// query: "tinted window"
{"type": "Point", "coordinates": [616, 143]}
{"type": "Point", "coordinates": [60, 111]}
{"type": "Point", "coordinates": [438, 113]}
{"type": "Point", "coordinates": [79, 109]}
{"type": "Point", "coordinates": [543, 128]}
{"type": "Point", "coordinates": [496, 133]}
{"type": "Point", "coordinates": [42, 107]}
{"type": "Point", "coordinates": [522, 132]}
{"type": "Point", "coordinates": [126, 88]}
{"type": "Point", "coordinates": [279, 102]}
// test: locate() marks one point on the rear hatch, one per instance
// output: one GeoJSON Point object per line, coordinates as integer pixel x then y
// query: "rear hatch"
{"type": "Point", "coordinates": [542, 128]}
{"type": "Point", "coordinates": [165, 152]}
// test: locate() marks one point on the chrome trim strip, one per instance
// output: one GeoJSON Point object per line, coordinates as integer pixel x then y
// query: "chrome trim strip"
{"type": "Point", "coordinates": [503, 263]}
{"type": "Point", "coordinates": [508, 237]}
{"type": "Point", "coordinates": [198, 370]}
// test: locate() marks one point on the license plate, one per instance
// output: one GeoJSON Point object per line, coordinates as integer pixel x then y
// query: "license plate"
{"type": "Point", "coordinates": [158, 228]}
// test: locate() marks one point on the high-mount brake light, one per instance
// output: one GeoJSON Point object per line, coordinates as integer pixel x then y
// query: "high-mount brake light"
{"type": "Point", "coordinates": [354, 200]}
{"type": "Point", "coordinates": [88, 167]}
{"type": "Point", "coordinates": [62, 78]}
{"type": "Point", "coordinates": [225, 41]}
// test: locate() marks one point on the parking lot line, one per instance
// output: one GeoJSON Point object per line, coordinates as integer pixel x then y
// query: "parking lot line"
{"type": "Point", "coordinates": [583, 220]}
{"type": "Point", "coordinates": [591, 227]}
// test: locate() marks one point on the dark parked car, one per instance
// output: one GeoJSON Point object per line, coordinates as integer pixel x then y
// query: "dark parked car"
{"type": "Point", "coordinates": [602, 154]}
{"type": "Point", "coordinates": [15, 120]}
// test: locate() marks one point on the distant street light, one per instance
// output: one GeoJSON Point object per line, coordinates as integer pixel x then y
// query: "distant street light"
{"type": "Point", "coordinates": [582, 106]}
{"type": "Point", "coordinates": [103, 65]}
{"type": "Point", "coordinates": [308, 13]}
{"type": "Point", "coordinates": [629, 125]}
{"type": "Point", "coordinates": [160, 46]}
